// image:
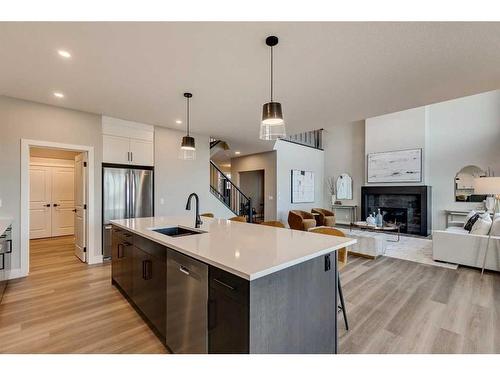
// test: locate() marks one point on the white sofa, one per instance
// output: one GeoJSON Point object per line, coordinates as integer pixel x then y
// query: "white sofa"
{"type": "Point", "coordinates": [456, 245]}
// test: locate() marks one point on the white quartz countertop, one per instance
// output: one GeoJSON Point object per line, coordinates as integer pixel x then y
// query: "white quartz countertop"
{"type": "Point", "coordinates": [4, 224]}
{"type": "Point", "coordinates": [247, 250]}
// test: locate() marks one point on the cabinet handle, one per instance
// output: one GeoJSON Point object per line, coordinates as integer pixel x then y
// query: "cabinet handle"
{"type": "Point", "coordinates": [120, 253]}
{"type": "Point", "coordinates": [147, 273]}
{"type": "Point", "coordinates": [184, 270]}
{"type": "Point", "coordinates": [131, 156]}
{"type": "Point", "coordinates": [224, 284]}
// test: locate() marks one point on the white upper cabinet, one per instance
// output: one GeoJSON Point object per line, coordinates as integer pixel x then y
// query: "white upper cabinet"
{"type": "Point", "coordinates": [127, 142]}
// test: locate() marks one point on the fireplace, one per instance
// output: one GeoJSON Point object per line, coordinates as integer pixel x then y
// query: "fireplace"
{"type": "Point", "coordinates": [409, 206]}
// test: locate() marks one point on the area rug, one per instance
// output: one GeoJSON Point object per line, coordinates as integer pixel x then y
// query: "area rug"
{"type": "Point", "coordinates": [414, 249]}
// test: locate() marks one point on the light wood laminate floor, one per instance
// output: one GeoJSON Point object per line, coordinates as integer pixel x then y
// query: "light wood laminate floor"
{"type": "Point", "coordinates": [398, 306]}
{"type": "Point", "coordinates": [394, 306]}
{"type": "Point", "coordinates": [65, 306]}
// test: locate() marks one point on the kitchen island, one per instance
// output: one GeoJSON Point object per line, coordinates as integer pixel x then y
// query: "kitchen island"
{"type": "Point", "coordinates": [229, 287]}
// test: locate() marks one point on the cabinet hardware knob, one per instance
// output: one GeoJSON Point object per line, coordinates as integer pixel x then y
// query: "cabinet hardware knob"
{"type": "Point", "coordinates": [184, 270]}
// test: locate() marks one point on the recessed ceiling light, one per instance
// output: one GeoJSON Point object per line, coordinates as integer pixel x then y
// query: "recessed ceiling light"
{"type": "Point", "coordinates": [64, 53]}
{"type": "Point", "coordinates": [59, 95]}
{"type": "Point", "coordinates": [237, 152]}
{"type": "Point", "coordinates": [178, 121]}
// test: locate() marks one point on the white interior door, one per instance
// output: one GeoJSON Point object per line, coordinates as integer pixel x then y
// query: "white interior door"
{"type": "Point", "coordinates": [63, 201]}
{"type": "Point", "coordinates": [40, 201]}
{"type": "Point", "coordinates": [80, 207]}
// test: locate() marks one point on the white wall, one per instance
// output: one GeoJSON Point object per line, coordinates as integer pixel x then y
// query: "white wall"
{"type": "Point", "coordinates": [452, 134]}
{"type": "Point", "coordinates": [398, 131]}
{"type": "Point", "coordinates": [293, 156]}
{"type": "Point", "coordinates": [263, 161]}
{"type": "Point", "coordinates": [344, 152]}
{"type": "Point", "coordinates": [23, 119]}
{"type": "Point", "coordinates": [463, 131]}
{"type": "Point", "coordinates": [175, 179]}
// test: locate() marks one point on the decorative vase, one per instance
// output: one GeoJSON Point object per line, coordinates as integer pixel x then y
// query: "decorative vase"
{"type": "Point", "coordinates": [370, 220]}
{"type": "Point", "coordinates": [379, 219]}
{"type": "Point", "coordinates": [334, 198]}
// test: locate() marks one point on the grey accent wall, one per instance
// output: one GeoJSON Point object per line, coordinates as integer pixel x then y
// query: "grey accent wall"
{"type": "Point", "coordinates": [344, 146]}
{"type": "Point", "coordinates": [23, 119]}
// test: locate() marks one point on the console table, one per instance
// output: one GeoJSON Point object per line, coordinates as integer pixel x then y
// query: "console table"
{"type": "Point", "coordinates": [453, 215]}
{"type": "Point", "coordinates": [351, 213]}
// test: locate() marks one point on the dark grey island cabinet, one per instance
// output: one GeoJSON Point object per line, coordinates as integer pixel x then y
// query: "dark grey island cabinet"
{"type": "Point", "coordinates": [194, 307]}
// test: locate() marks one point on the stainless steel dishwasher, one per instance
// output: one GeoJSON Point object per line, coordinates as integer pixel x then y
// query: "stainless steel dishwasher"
{"type": "Point", "coordinates": [187, 297]}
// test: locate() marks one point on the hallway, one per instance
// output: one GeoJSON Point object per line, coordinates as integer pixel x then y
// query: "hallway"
{"type": "Point", "coordinates": [66, 306]}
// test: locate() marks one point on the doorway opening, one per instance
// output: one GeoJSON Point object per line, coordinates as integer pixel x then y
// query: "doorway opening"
{"type": "Point", "coordinates": [252, 184]}
{"type": "Point", "coordinates": [57, 189]}
{"type": "Point", "coordinates": [56, 202]}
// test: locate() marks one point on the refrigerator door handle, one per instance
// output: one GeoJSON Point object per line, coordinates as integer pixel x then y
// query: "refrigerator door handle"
{"type": "Point", "coordinates": [127, 195]}
{"type": "Point", "coordinates": [132, 195]}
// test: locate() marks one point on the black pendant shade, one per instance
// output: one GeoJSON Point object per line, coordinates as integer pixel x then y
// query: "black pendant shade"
{"type": "Point", "coordinates": [188, 143]}
{"type": "Point", "coordinates": [272, 113]}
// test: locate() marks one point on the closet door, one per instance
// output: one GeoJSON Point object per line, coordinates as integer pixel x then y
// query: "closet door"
{"type": "Point", "coordinates": [63, 201]}
{"type": "Point", "coordinates": [40, 202]}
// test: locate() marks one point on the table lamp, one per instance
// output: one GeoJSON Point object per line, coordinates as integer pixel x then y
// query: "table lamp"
{"type": "Point", "coordinates": [488, 186]}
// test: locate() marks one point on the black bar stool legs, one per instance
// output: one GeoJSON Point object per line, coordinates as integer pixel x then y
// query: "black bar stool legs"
{"type": "Point", "coordinates": [342, 304]}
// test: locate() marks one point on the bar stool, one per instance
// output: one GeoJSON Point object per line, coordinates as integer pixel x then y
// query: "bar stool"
{"type": "Point", "coordinates": [341, 263]}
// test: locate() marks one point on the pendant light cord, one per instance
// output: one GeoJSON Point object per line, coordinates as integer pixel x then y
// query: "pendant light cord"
{"type": "Point", "coordinates": [187, 117]}
{"type": "Point", "coordinates": [272, 74]}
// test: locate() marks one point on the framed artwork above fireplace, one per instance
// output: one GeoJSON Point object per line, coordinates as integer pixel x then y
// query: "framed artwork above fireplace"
{"type": "Point", "coordinates": [395, 166]}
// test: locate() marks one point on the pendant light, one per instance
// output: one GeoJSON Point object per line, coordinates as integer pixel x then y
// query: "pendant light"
{"type": "Point", "coordinates": [272, 126]}
{"type": "Point", "coordinates": [188, 149]}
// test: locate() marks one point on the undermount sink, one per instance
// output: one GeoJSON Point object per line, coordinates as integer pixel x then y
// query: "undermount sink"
{"type": "Point", "coordinates": [177, 231]}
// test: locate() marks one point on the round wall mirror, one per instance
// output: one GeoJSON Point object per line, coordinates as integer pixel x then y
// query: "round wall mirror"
{"type": "Point", "coordinates": [344, 186]}
{"type": "Point", "coordinates": [464, 184]}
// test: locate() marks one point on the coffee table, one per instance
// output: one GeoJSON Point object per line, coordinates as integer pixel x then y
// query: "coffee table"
{"type": "Point", "coordinates": [363, 225]}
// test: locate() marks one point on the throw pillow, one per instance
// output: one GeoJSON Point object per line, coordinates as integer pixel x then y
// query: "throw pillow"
{"type": "Point", "coordinates": [468, 225]}
{"type": "Point", "coordinates": [482, 225]}
{"type": "Point", "coordinates": [468, 217]}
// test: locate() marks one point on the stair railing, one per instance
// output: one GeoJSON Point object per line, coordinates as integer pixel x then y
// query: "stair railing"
{"type": "Point", "coordinates": [228, 193]}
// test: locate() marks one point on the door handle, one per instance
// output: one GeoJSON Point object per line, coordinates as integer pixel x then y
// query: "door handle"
{"type": "Point", "coordinates": [47, 205]}
{"type": "Point", "coordinates": [74, 210]}
{"type": "Point", "coordinates": [55, 205]}
{"type": "Point", "coordinates": [184, 270]}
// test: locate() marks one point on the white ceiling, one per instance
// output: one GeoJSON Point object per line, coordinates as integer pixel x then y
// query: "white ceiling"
{"type": "Point", "coordinates": [325, 73]}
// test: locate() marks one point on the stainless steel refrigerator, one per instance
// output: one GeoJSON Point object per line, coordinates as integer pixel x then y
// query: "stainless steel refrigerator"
{"type": "Point", "coordinates": [127, 193]}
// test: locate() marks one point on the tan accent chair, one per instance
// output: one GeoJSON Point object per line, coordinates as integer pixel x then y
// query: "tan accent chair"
{"type": "Point", "coordinates": [325, 218]}
{"type": "Point", "coordinates": [301, 220]}
{"type": "Point", "coordinates": [341, 263]}
{"type": "Point", "coordinates": [241, 219]}
{"type": "Point", "coordinates": [273, 223]}
{"type": "Point", "coordinates": [207, 214]}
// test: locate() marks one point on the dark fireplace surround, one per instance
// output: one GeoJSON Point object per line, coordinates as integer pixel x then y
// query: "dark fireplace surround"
{"type": "Point", "coordinates": [409, 206]}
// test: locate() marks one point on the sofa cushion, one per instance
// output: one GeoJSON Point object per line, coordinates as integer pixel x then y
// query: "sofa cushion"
{"type": "Point", "coordinates": [457, 230]}
{"type": "Point", "coordinates": [495, 227]}
{"type": "Point", "coordinates": [482, 225]}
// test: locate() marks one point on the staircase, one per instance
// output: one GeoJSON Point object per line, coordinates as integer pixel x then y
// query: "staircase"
{"type": "Point", "coordinates": [229, 194]}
